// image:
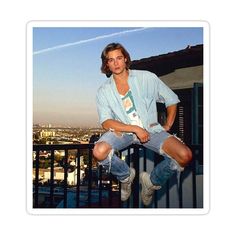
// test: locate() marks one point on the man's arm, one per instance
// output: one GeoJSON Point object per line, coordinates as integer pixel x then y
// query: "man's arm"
{"type": "Point", "coordinates": [171, 114]}
{"type": "Point", "coordinates": [108, 123]}
{"type": "Point", "coordinates": [118, 126]}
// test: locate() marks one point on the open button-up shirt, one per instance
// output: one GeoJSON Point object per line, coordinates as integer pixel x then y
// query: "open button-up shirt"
{"type": "Point", "coordinates": [147, 89]}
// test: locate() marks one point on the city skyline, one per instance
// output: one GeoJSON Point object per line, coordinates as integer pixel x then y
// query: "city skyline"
{"type": "Point", "coordinates": [66, 65]}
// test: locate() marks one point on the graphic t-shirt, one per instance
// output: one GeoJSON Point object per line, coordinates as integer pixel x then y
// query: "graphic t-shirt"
{"type": "Point", "coordinates": [128, 102]}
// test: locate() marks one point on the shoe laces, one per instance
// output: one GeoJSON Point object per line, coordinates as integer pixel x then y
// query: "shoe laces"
{"type": "Point", "coordinates": [127, 183]}
{"type": "Point", "coordinates": [151, 189]}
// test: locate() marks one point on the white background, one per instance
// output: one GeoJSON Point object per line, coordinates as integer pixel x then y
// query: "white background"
{"type": "Point", "coordinates": [13, 18]}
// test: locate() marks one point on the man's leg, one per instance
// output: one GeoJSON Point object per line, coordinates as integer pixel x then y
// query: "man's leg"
{"type": "Point", "coordinates": [164, 144]}
{"type": "Point", "coordinates": [162, 172]}
{"type": "Point", "coordinates": [104, 152]}
{"type": "Point", "coordinates": [177, 150]}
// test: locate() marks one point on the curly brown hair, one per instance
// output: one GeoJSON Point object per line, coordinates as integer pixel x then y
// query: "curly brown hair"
{"type": "Point", "coordinates": [111, 47]}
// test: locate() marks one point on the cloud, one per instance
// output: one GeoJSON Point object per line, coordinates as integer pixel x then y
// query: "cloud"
{"type": "Point", "coordinates": [87, 40]}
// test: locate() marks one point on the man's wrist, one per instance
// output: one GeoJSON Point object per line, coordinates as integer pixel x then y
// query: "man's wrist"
{"type": "Point", "coordinates": [168, 126]}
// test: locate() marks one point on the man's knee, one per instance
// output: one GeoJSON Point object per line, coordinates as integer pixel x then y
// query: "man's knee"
{"type": "Point", "coordinates": [101, 150]}
{"type": "Point", "coordinates": [185, 156]}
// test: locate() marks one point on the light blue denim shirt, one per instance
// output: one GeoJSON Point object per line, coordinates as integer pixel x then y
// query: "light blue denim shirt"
{"type": "Point", "coordinates": [146, 88]}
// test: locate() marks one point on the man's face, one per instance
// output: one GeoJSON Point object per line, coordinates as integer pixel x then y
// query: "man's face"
{"type": "Point", "coordinates": [116, 62]}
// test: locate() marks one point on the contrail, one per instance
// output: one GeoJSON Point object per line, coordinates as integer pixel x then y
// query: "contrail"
{"type": "Point", "coordinates": [87, 40]}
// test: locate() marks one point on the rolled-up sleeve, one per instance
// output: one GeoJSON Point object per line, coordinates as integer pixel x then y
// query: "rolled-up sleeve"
{"type": "Point", "coordinates": [163, 93]}
{"type": "Point", "coordinates": [103, 108]}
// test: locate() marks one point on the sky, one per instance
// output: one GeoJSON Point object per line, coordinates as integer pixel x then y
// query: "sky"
{"type": "Point", "coordinates": [66, 65]}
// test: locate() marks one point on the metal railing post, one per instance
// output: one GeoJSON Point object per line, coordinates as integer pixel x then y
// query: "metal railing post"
{"type": "Point", "coordinates": [136, 179]}
{"type": "Point", "coordinates": [65, 178]}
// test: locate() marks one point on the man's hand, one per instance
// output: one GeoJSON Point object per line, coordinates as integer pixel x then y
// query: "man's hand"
{"type": "Point", "coordinates": [142, 134]}
{"type": "Point", "coordinates": [166, 127]}
{"type": "Point", "coordinates": [118, 126]}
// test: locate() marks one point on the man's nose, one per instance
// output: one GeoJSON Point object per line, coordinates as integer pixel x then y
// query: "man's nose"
{"type": "Point", "coordinates": [115, 61]}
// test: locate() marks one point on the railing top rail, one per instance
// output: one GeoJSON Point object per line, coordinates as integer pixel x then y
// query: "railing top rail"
{"type": "Point", "coordinates": [196, 149]}
{"type": "Point", "coordinates": [39, 147]}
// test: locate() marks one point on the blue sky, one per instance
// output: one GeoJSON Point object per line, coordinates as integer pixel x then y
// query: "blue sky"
{"type": "Point", "coordinates": [66, 65]}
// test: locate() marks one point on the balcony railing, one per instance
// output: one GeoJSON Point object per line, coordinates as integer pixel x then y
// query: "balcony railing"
{"type": "Point", "coordinates": [97, 189]}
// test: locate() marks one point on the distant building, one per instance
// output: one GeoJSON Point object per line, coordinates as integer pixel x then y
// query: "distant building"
{"type": "Point", "coordinates": [45, 175]}
{"type": "Point", "coordinates": [46, 133]}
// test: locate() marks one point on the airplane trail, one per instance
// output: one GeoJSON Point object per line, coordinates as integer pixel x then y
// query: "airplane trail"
{"type": "Point", "coordinates": [87, 40]}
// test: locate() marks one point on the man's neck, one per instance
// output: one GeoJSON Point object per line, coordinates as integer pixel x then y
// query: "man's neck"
{"type": "Point", "coordinates": [122, 77]}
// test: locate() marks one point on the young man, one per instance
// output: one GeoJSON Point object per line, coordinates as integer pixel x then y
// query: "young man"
{"type": "Point", "coordinates": [126, 105]}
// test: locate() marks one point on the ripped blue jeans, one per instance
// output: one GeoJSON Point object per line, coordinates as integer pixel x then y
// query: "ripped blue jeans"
{"type": "Point", "coordinates": [119, 168]}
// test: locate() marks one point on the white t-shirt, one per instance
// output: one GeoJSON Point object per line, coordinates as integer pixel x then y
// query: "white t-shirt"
{"type": "Point", "coordinates": [128, 102]}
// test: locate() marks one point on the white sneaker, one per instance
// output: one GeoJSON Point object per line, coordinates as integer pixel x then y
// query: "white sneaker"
{"type": "Point", "coordinates": [147, 188]}
{"type": "Point", "coordinates": [126, 186]}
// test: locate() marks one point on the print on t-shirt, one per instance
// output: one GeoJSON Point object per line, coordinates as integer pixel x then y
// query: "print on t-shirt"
{"type": "Point", "coordinates": [128, 102]}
